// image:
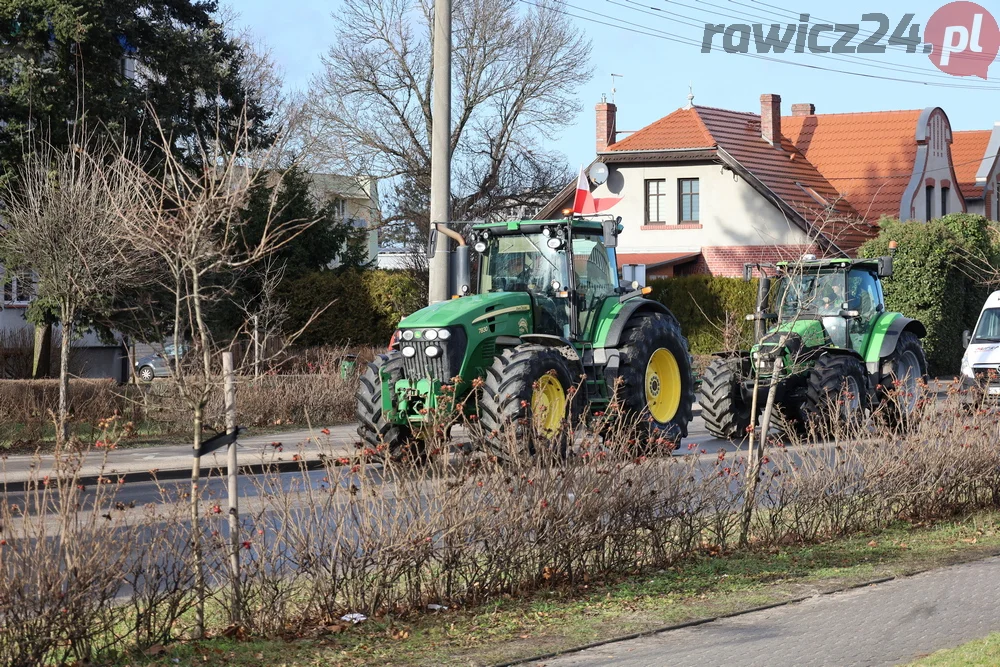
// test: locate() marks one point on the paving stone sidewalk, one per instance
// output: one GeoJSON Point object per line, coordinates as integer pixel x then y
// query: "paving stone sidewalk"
{"type": "Point", "coordinates": [884, 624]}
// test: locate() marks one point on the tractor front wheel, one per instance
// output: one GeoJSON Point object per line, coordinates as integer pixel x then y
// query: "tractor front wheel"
{"type": "Point", "coordinates": [907, 371]}
{"type": "Point", "coordinates": [836, 393]}
{"type": "Point", "coordinates": [655, 385]}
{"type": "Point", "coordinates": [374, 428]}
{"type": "Point", "coordinates": [528, 402]}
{"type": "Point", "coordinates": [725, 412]}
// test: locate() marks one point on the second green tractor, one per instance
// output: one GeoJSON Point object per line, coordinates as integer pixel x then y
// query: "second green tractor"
{"type": "Point", "coordinates": [550, 337]}
{"type": "Point", "coordinates": [842, 354]}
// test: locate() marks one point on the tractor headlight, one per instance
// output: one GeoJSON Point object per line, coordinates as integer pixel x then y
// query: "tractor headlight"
{"type": "Point", "coordinates": [444, 334]}
{"type": "Point", "coordinates": [408, 334]}
{"type": "Point", "coordinates": [555, 244]}
{"type": "Point", "coordinates": [432, 351]}
{"type": "Point", "coordinates": [480, 247]}
{"type": "Point", "coordinates": [409, 351]}
{"type": "Point", "coordinates": [431, 334]}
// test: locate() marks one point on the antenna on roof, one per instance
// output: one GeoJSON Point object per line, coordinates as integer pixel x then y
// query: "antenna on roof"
{"type": "Point", "coordinates": [690, 97]}
{"type": "Point", "coordinates": [620, 76]}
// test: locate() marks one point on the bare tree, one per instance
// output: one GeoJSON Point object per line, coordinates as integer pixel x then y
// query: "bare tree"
{"type": "Point", "coordinates": [515, 73]}
{"type": "Point", "coordinates": [58, 226]}
{"type": "Point", "coordinates": [191, 221]}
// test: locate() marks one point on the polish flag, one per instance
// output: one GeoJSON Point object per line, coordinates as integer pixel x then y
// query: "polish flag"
{"type": "Point", "coordinates": [585, 203]}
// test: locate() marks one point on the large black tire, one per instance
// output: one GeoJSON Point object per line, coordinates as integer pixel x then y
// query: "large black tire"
{"type": "Point", "coordinates": [373, 427]}
{"type": "Point", "coordinates": [836, 393]}
{"type": "Point", "coordinates": [644, 334]}
{"type": "Point", "coordinates": [725, 412]}
{"type": "Point", "coordinates": [506, 405]}
{"type": "Point", "coordinates": [903, 388]}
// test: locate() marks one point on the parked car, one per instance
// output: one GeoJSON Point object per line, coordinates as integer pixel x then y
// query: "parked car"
{"type": "Point", "coordinates": [981, 361]}
{"type": "Point", "coordinates": [158, 364]}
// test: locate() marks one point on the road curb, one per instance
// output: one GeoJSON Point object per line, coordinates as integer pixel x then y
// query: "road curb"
{"type": "Point", "coordinates": [175, 474]}
{"type": "Point", "coordinates": [712, 619]}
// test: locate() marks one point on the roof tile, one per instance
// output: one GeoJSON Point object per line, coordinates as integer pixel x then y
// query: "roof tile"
{"type": "Point", "coordinates": [867, 157]}
{"type": "Point", "coordinates": [968, 148]}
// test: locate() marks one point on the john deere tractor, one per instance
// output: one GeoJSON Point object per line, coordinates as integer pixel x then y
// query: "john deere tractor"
{"type": "Point", "coordinates": [841, 352]}
{"type": "Point", "coordinates": [550, 337]}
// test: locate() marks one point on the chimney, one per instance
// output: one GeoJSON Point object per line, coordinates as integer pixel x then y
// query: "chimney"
{"type": "Point", "coordinates": [770, 119]}
{"type": "Point", "coordinates": [803, 109]}
{"type": "Point", "coordinates": [606, 127]}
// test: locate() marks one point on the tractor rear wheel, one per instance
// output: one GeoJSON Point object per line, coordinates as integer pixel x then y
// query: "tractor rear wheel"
{"type": "Point", "coordinates": [528, 402]}
{"type": "Point", "coordinates": [373, 426]}
{"type": "Point", "coordinates": [655, 384]}
{"type": "Point", "coordinates": [836, 393]}
{"type": "Point", "coordinates": [725, 412]}
{"type": "Point", "coordinates": [902, 391]}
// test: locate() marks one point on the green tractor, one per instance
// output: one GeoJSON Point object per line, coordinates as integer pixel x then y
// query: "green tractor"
{"type": "Point", "coordinates": [549, 338]}
{"type": "Point", "coordinates": [841, 353]}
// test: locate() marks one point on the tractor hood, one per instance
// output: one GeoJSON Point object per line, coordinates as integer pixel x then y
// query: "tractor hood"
{"type": "Point", "coordinates": [810, 331]}
{"type": "Point", "coordinates": [475, 312]}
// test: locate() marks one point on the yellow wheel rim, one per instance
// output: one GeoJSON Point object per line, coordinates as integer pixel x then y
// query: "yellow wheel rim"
{"type": "Point", "coordinates": [663, 385]}
{"type": "Point", "coordinates": [548, 404]}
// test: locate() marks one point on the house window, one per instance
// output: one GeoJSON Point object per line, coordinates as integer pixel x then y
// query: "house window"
{"type": "Point", "coordinates": [18, 288]}
{"type": "Point", "coordinates": [944, 200]}
{"type": "Point", "coordinates": [929, 202]}
{"type": "Point", "coordinates": [656, 200]}
{"type": "Point", "coordinates": [687, 205]}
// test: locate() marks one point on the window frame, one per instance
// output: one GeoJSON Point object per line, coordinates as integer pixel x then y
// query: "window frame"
{"type": "Point", "coordinates": [661, 199]}
{"type": "Point", "coordinates": [928, 203]}
{"type": "Point", "coordinates": [945, 192]}
{"type": "Point", "coordinates": [695, 201]}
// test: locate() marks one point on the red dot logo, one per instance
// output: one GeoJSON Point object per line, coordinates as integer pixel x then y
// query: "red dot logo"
{"type": "Point", "coordinates": [965, 39]}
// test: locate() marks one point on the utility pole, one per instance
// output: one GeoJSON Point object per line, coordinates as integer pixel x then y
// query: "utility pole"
{"type": "Point", "coordinates": [440, 152]}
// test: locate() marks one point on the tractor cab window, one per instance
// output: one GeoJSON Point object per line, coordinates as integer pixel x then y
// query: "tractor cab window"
{"type": "Point", "coordinates": [810, 295]}
{"type": "Point", "coordinates": [596, 278]}
{"type": "Point", "coordinates": [863, 296]}
{"type": "Point", "coordinates": [524, 263]}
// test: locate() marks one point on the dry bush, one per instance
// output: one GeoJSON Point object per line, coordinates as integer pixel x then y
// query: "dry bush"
{"type": "Point", "coordinates": [26, 407]}
{"type": "Point", "coordinates": [393, 538]}
{"type": "Point", "coordinates": [16, 353]}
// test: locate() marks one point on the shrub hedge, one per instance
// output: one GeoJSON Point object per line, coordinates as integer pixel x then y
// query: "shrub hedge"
{"type": "Point", "coordinates": [710, 309]}
{"type": "Point", "coordinates": [367, 305]}
{"type": "Point", "coordinates": [940, 273]}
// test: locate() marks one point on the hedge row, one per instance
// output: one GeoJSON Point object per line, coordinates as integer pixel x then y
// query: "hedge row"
{"type": "Point", "coordinates": [366, 305]}
{"type": "Point", "coordinates": [710, 309]}
{"type": "Point", "coordinates": [941, 270]}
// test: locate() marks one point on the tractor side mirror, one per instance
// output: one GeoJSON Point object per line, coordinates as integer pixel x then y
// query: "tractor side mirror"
{"type": "Point", "coordinates": [610, 229]}
{"type": "Point", "coordinates": [885, 267]}
{"type": "Point", "coordinates": [966, 338]}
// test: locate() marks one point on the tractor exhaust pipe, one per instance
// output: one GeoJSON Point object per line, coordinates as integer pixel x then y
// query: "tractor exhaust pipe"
{"type": "Point", "coordinates": [461, 276]}
{"type": "Point", "coordinates": [763, 291]}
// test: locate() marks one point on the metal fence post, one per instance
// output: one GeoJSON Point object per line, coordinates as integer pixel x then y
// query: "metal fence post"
{"type": "Point", "coordinates": [233, 487]}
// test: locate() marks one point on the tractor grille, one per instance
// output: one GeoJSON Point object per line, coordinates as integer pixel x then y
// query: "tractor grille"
{"type": "Point", "coordinates": [443, 367]}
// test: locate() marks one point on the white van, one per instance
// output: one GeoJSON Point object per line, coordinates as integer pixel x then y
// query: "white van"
{"type": "Point", "coordinates": [981, 361]}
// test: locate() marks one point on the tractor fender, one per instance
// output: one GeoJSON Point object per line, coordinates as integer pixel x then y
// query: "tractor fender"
{"type": "Point", "coordinates": [896, 327]}
{"type": "Point", "coordinates": [630, 308]}
{"type": "Point", "coordinates": [565, 347]}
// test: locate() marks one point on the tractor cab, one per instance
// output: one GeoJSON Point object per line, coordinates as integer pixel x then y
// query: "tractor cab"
{"type": "Point", "coordinates": [567, 268]}
{"type": "Point", "coordinates": [839, 300]}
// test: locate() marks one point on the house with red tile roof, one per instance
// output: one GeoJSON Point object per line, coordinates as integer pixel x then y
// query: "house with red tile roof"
{"type": "Point", "coordinates": [704, 190]}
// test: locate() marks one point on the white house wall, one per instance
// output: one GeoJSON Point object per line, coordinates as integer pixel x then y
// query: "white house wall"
{"type": "Point", "coordinates": [732, 212]}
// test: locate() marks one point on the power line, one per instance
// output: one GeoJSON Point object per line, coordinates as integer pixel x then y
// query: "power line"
{"type": "Point", "coordinates": [639, 29]}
